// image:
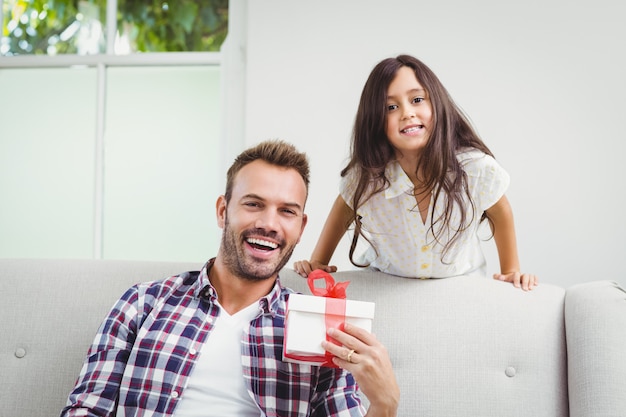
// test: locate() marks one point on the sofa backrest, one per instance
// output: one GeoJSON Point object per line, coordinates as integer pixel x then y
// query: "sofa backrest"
{"type": "Point", "coordinates": [460, 346]}
{"type": "Point", "coordinates": [467, 346]}
{"type": "Point", "coordinates": [51, 310]}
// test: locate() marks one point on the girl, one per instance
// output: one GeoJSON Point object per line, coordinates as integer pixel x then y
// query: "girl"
{"type": "Point", "coordinates": [418, 185]}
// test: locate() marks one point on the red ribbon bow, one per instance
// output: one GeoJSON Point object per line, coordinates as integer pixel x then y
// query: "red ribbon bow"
{"type": "Point", "coordinates": [332, 290]}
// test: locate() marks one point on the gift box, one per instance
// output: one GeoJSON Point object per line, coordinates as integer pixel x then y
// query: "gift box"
{"type": "Point", "coordinates": [310, 316]}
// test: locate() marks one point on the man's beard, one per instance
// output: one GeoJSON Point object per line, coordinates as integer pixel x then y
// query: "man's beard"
{"type": "Point", "coordinates": [241, 264]}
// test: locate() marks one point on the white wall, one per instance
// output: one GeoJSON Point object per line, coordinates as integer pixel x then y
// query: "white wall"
{"type": "Point", "coordinates": [543, 81]}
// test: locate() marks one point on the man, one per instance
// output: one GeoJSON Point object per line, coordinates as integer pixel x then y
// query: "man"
{"type": "Point", "coordinates": [209, 343]}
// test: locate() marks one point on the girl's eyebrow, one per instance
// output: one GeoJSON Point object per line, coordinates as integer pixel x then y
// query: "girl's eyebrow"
{"type": "Point", "coordinates": [412, 91]}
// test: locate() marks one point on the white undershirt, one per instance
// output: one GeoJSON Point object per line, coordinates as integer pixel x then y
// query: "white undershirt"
{"type": "Point", "coordinates": [216, 386]}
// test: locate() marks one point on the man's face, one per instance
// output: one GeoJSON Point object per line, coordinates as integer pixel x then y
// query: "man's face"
{"type": "Point", "coordinates": [263, 221]}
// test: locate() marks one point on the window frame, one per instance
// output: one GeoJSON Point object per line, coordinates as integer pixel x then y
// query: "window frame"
{"type": "Point", "coordinates": [232, 95]}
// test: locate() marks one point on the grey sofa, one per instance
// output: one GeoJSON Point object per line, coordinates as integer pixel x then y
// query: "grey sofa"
{"type": "Point", "coordinates": [460, 346]}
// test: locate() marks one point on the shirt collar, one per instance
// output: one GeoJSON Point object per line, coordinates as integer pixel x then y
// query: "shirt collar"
{"type": "Point", "coordinates": [268, 304]}
{"type": "Point", "coordinates": [399, 182]}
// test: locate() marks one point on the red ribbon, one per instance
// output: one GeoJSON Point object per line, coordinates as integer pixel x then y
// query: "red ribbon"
{"type": "Point", "coordinates": [332, 290]}
{"type": "Point", "coordinates": [335, 314]}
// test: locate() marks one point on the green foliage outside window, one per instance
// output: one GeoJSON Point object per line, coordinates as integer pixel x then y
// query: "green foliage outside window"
{"type": "Point", "coordinates": [50, 27]}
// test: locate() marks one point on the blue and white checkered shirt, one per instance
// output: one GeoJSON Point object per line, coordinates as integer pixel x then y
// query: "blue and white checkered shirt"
{"type": "Point", "coordinates": [145, 350]}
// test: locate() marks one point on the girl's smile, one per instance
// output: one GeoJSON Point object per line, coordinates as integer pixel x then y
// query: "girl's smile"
{"type": "Point", "coordinates": [412, 130]}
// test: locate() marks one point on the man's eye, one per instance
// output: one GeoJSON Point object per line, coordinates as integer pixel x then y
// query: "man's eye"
{"type": "Point", "coordinates": [289, 212]}
{"type": "Point", "coordinates": [251, 204]}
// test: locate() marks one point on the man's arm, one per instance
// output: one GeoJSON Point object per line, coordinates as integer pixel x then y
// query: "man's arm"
{"type": "Point", "coordinates": [97, 388]}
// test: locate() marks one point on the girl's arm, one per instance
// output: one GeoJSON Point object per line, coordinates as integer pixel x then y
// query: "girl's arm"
{"type": "Point", "coordinates": [337, 223]}
{"type": "Point", "coordinates": [501, 216]}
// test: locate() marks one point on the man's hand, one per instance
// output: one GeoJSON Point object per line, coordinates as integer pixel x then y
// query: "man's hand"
{"type": "Point", "coordinates": [367, 360]}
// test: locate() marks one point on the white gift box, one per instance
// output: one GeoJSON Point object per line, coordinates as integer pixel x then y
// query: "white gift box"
{"type": "Point", "coordinates": [306, 325]}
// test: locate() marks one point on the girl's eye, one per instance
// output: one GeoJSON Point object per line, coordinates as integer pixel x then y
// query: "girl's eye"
{"type": "Point", "coordinates": [418, 99]}
{"type": "Point", "coordinates": [391, 107]}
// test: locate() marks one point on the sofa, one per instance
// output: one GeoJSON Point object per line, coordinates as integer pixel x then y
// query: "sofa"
{"type": "Point", "coordinates": [460, 346]}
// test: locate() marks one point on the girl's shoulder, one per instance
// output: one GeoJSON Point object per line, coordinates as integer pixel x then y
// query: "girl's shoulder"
{"type": "Point", "coordinates": [373, 183]}
{"type": "Point", "coordinates": [471, 157]}
{"type": "Point", "coordinates": [470, 154]}
{"type": "Point", "coordinates": [478, 164]}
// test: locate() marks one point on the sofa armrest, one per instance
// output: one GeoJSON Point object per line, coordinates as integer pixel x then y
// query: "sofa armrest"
{"type": "Point", "coordinates": [595, 323]}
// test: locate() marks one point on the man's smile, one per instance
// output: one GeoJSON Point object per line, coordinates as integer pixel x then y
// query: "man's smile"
{"type": "Point", "coordinates": [262, 244]}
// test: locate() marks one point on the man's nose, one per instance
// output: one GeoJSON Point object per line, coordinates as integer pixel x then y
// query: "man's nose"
{"type": "Point", "coordinates": [267, 220]}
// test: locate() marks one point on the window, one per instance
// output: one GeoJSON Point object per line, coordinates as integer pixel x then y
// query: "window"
{"type": "Point", "coordinates": [111, 136]}
{"type": "Point", "coordinates": [82, 27]}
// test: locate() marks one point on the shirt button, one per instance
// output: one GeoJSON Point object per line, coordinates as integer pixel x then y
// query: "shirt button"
{"type": "Point", "coordinates": [209, 320]}
{"type": "Point", "coordinates": [193, 352]}
{"type": "Point", "coordinates": [175, 394]}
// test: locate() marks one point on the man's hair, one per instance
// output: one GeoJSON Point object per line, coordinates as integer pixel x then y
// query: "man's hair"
{"type": "Point", "coordinates": [274, 152]}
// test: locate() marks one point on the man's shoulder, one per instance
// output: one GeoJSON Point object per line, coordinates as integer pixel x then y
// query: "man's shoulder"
{"type": "Point", "coordinates": [157, 288]}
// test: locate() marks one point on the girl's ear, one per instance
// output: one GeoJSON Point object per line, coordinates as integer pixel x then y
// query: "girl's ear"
{"type": "Point", "coordinates": [220, 211]}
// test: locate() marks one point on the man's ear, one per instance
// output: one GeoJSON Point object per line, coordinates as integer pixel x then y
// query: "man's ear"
{"type": "Point", "coordinates": [305, 218]}
{"type": "Point", "coordinates": [220, 211]}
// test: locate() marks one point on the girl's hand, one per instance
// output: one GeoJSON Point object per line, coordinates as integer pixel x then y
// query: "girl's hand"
{"type": "Point", "coordinates": [304, 268]}
{"type": "Point", "coordinates": [367, 360]}
{"type": "Point", "coordinates": [524, 281]}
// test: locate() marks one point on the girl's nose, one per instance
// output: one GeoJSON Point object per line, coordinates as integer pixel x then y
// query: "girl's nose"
{"type": "Point", "coordinates": [408, 113]}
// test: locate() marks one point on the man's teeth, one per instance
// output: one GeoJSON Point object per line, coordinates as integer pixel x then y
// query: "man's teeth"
{"type": "Point", "coordinates": [265, 243]}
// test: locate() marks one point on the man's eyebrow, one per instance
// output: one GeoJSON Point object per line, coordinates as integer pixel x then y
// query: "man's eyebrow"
{"type": "Point", "coordinates": [294, 205]}
{"type": "Point", "coordinates": [252, 195]}
{"type": "Point", "coordinates": [258, 197]}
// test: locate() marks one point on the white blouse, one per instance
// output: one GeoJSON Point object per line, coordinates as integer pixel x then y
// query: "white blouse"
{"type": "Point", "coordinates": [406, 246]}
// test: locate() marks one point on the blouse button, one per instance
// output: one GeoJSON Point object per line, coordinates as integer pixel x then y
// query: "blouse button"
{"type": "Point", "coordinates": [425, 248]}
{"type": "Point", "coordinates": [425, 266]}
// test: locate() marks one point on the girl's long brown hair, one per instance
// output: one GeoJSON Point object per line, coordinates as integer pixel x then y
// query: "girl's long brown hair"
{"type": "Point", "coordinates": [438, 168]}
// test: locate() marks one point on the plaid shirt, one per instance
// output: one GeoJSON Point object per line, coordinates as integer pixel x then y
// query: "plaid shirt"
{"type": "Point", "coordinates": [145, 350]}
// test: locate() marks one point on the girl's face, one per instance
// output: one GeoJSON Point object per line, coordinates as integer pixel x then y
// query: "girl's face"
{"type": "Point", "coordinates": [409, 115]}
